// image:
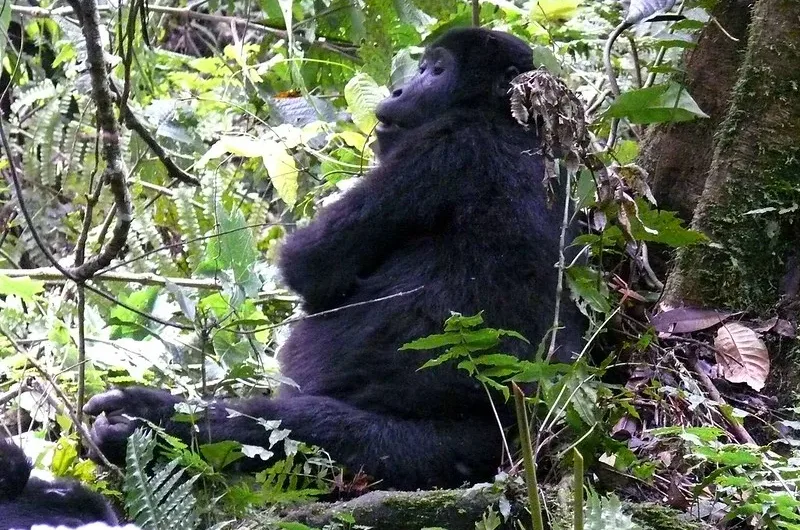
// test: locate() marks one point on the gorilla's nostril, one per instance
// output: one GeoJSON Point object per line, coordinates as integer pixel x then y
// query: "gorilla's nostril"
{"type": "Point", "coordinates": [397, 92]}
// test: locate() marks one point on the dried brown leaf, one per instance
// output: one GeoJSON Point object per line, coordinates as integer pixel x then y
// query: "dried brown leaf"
{"type": "Point", "coordinates": [742, 355]}
{"type": "Point", "coordinates": [687, 320]}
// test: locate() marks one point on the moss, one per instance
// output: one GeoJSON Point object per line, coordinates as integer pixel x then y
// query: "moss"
{"type": "Point", "coordinates": [753, 228]}
{"type": "Point", "coordinates": [749, 209]}
{"type": "Point", "coordinates": [656, 517]}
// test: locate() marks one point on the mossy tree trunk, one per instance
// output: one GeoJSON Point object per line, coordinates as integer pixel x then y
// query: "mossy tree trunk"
{"type": "Point", "coordinates": [678, 155]}
{"type": "Point", "coordinates": [750, 204]}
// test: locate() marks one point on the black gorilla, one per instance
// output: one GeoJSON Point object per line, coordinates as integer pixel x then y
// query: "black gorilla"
{"type": "Point", "coordinates": [27, 501]}
{"type": "Point", "coordinates": [457, 210]}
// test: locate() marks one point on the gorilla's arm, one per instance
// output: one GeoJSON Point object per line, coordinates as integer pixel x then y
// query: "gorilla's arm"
{"type": "Point", "coordinates": [400, 200]}
{"type": "Point", "coordinates": [405, 453]}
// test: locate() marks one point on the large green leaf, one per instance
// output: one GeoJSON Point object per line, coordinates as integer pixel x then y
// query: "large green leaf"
{"type": "Point", "coordinates": [656, 104]}
{"type": "Point", "coordinates": [363, 94]}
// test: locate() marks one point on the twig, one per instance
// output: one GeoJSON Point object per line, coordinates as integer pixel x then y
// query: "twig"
{"type": "Point", "coordinates": [738, 431]}
{"type": "Point", "coordinates": [14, 392]}
{"type": "Point", "coordinates": [527, 453]}
{"type": "Point", "coordinates": [561, 261]}
{"type": "Point", "coordinates": [335, 310]}
{"type": "Point", "coordinates": [87, 438]}
{"type": "Point", "coordinates": [53, 275]}
{"type": "Point", "coordinates": [476, 13]}
{"type": "Point", "coordinates": [81, 309]}
{"type": "Point", "coordinates": [88, 214]}
{"type": "Point", "coordinates": [723, 30]}
{"type": "Point", "coordinates": [173, 170]}
{"type": "Point", "coordinates": [114, 174]}
{"type": "Point", "coordinates": [67, 273]}
{"type": "Point", "coordinates": [637, 66]}
{"type": "Point", "coordinates": [344, 49]}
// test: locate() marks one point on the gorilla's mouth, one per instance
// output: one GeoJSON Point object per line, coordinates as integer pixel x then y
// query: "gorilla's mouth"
{"type": "Point", "coordinates": [386, 126]}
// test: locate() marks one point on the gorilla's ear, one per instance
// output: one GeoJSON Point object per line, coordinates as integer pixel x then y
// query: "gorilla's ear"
{"type": "Point", "coordinates": [510, 73]}
{"type": "Point", "coordinates": [501, 85]}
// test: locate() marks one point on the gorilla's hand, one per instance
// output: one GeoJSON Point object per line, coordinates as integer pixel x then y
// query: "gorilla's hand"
{"type": "Point", "coordinates": [120, 411]}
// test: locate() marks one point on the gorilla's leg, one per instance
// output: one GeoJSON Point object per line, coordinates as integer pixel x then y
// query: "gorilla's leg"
{"type": "Point", "coordinates": [405, 453]}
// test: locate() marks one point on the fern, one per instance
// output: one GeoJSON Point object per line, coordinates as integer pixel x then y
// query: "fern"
{"type": "Point", "coordinates": [189, 224]}
{"type": "Point", "coordinates": [162, 501]}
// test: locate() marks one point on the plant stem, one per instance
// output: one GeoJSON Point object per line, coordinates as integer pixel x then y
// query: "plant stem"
{"type": "Point", "coordinates": [527, 457]}
{"type": "Point", "coordinates": [577, 486]}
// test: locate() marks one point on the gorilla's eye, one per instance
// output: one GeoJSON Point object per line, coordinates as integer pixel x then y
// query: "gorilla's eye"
{"type": "Point", "coordinates": [438, 70]}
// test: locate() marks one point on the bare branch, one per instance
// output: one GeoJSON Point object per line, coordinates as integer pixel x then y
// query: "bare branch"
{"type": "Point", "coordinates": [114, 174]}
{"type": "Point", "coordinates": [53, 275]}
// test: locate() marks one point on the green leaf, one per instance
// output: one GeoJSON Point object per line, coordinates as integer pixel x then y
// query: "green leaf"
{"type": "Point", "coordinates": [408, 13]}
{"type": "Point", "coordinates": [657, 104]}
{"type": "Point", "coordinates": [294, 526]}
{"type": "Point", "coordinates": [232, 249]}
{"type": "Point", "coordinates": [431, 342]}
{"type": "Point", "coordinates": [669, 228]}
{"type": "Point", "coordinates": [282, 171]}
{"type": "Point", "coordinates": [496, 359]}
{"type": "Point", "coordinates": [221, 454]}
{"type": "Point", "coordinates": [706, 434]}
{"type": "Point", "coordinates": [25, 288]}
{"type": "Point", "coordinates": [362, 95]}
{"type": "Point", "coordinates": [5, 20]}
{"type": "Point", "coordinates": [550, 10]}
{"type": "Point", "coordinates": [589, 285]}
{"type": "Point", "coordinates": [128, 323]}
{"type": "Point", "coordinates": [458, 322]}
{"type": "Point", "coordinates": [491, 383]}
{"type": "Point", "coordinates": [602, 513]}
{"type": "Point", "coordinates": [535, 372]}
{"type": "Point", "coordinates": [544, 56]}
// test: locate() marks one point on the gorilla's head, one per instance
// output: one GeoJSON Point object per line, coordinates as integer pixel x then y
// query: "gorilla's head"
{"type": "Point", "coordinates": [466, 68]}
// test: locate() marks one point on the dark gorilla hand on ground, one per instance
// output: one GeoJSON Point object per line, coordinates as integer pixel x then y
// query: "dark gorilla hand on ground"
{"type": "Point", "coordinates": [456, 208]}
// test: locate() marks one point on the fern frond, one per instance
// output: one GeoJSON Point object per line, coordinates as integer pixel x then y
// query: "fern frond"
{"type": "Point", "coordinates": [189, 224]}
{"type": "Point", "coordinates": [163, 501]}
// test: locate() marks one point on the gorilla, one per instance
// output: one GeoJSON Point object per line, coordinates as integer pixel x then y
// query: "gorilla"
{"type": "Point", "coordinates": [454, 218]}
{"type": "Point", "coordinates": [25, 501]}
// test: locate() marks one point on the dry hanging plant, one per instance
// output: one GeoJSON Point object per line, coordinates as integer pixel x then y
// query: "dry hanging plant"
{"type": "Point", "coordinates": [542, 101]}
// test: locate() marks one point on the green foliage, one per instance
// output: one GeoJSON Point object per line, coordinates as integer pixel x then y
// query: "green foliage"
{"type": "Point", "coordinates": [473, 348]}
{"type": "Point", "coordinates": [162, 500]}
{"type": "Point", "coordinates": [752, 481]}
{"type": "Point", "coordinates": [602, 513]}
{"type": "Point", "coordinates": [656, 104]}
{"type": "Point", "coordinates": [243, 121]}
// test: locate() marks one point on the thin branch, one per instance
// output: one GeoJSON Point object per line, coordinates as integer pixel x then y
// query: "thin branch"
{"type": "Point", "coordinates": [81, 351]}
{"type": "Point", "coordinates": [174, 171]}
{"type": "Point", "coordinates": [53, 275]}
{"type": "Point", "coordinates": [114, 174]}
{"type": "Point", "coordinates": [65, 403]}
{"type": "Point", "coordinates": [476, 13]}
{"type": "Point", "coordinates": [334, 310]}
{"type": "Point", "coordinates": [738, 431]}
{"type": "Point", "coordinates": [344, 49]}
{"type": "Point", "coordinates": [562, 241]}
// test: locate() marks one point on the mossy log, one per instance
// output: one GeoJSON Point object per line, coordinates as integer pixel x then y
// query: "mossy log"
{"type": "Point", "coordinates": [457, 509]}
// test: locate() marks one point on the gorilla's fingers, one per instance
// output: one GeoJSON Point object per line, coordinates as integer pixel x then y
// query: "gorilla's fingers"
{"type": "Point", "coordinates": [107, 401]}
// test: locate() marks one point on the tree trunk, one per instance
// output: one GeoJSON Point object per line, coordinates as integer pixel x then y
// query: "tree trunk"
{"type": "Point", "coordinates": [678, 155]}
{"type": "Point", "coordinates": [749, 207]}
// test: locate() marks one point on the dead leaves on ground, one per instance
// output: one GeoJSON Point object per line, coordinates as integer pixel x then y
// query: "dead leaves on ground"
{"type": "Point", "coordinates": [741, 354]}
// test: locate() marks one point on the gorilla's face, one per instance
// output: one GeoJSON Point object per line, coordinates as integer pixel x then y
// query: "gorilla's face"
{"type": "Point", "coordinates": [422, 98]}
{"type": "Point", "coordinates": [467, 68]}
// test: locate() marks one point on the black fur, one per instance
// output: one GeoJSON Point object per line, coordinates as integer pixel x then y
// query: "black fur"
{"type": "Point", "coordinates": [457, 209]}
{"type": "Point", "coordinates": [27, 501]}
